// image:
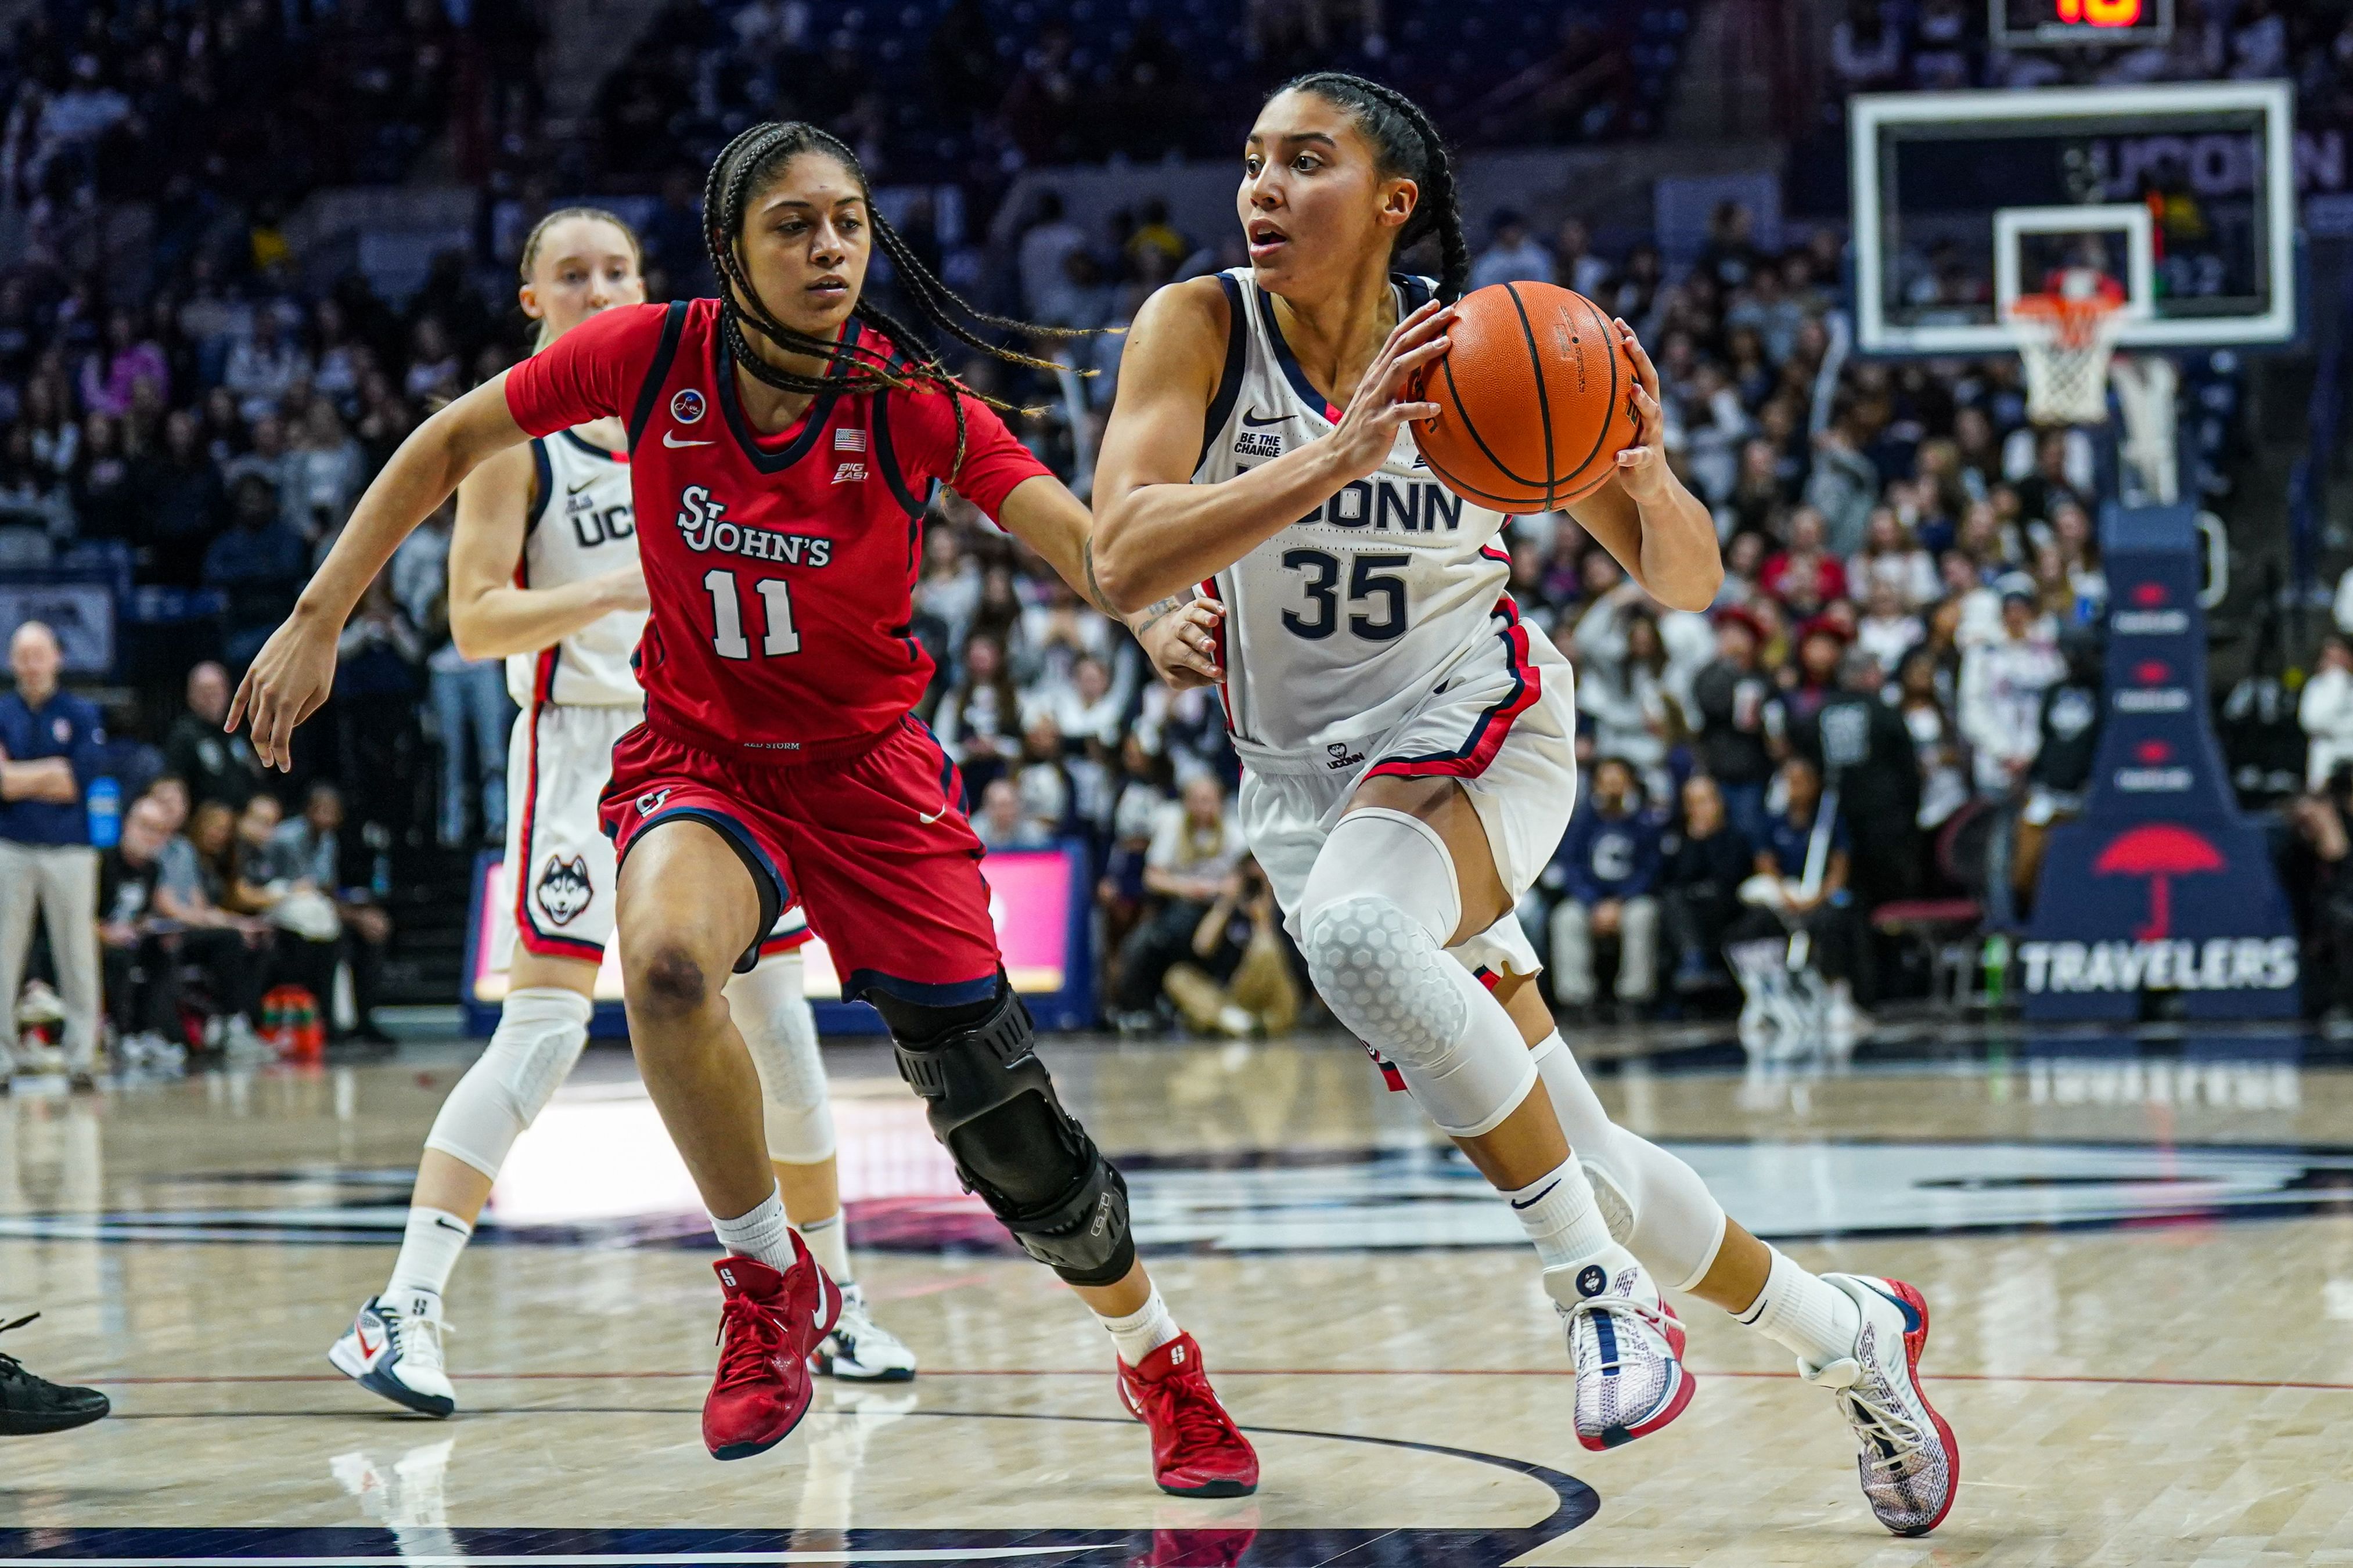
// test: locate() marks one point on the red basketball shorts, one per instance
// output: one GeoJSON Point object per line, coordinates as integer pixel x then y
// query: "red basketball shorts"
{"type": "Point", "coordinates": [873, 846]}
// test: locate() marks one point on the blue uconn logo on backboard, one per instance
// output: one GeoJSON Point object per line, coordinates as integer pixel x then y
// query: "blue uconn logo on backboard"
{"type": "Point", "coordinates": [1387, 505]}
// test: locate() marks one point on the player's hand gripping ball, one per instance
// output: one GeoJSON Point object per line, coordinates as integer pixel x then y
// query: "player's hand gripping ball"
{"type": "Point", "coordinates": [1536, 399]}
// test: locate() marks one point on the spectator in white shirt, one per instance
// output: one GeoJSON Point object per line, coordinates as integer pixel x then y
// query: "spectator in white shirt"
{"type": "Point", "coordinates": [263, 367]}
{"type": "Point", "coordinates": [1046, 288]}
{"type": "Point", "coordinates": [1889, 630]}
{"type": "Point", "coordinates": [1090, 707]}
{"type": "Point", "coordinates": [2325, 711]}
{"type": "Point", "coordinates": [2002, 682]}
{"type": "Point", "coordinates": [1890, 555]}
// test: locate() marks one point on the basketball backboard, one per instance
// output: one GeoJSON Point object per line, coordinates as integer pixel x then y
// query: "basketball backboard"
{"type": "Point", "coordinates": [2183, 192]}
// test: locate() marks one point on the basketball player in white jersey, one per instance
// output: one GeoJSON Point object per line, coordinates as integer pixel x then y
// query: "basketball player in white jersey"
{"type": "Point", "coordinates": [543, 569]}
{"type": "Point", "coordinates": [1407, 743]}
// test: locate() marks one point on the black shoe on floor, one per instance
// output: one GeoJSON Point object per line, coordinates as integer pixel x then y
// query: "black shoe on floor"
{"type": "Point", "coordinates": [30, 1404]}
{"type": "Point", "coordinates": [82, 1083]}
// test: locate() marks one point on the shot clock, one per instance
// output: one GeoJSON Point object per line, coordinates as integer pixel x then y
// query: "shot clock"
{"type": "Point", "coordinates": [2099, 24]}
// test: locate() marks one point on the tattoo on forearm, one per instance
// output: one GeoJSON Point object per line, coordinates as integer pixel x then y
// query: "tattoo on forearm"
{"type": "Point", "coordinates": [1151, 613]}
{"type": "Point", "coordinates": [1095, 594]}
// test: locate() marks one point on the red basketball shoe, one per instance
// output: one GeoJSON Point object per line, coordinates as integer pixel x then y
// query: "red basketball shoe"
{"type": "Point", "coordinates": [767, 1327]}
{"type": "Point", "coordinates": [1197, 1449]}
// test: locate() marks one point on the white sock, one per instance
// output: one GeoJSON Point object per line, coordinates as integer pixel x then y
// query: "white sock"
{"type": "Point", "coordinates": [1561, 1218]}
{"type": "Point", "coordinates": [829, 1242]}
{"type": "Point", "coordinates": [1144, 1331]}
{"type": "Point", "coordinates": [762, 1234]}
{"type": "Point", "coordinates": [428, 1251]}
{"type": "Point", "coordinates": [1815, 1320]}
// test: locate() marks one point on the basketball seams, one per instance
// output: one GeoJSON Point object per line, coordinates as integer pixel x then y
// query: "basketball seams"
{"type": "Point", "coordinates": [1463, 412]}
{"type": "Point", "coordinates": [1544, 399]}
{"type": "Point", "coordinates": [1514, 505]}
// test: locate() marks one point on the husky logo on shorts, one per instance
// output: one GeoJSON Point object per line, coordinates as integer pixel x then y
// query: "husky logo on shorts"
{"type": "Point", "coordinates": [650, 802]}
{"type": "Point", "coordinates": [1341, 755]}
{"type": "Point", "coordinates": [563, 888]}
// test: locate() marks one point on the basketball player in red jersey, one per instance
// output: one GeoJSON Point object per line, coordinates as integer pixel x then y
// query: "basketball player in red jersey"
{"type": "Point", "coordinates": [783, 440]}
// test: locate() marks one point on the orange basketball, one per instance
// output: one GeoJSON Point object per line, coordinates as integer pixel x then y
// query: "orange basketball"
{"type": "Point", "coordinates": [1535, 399]}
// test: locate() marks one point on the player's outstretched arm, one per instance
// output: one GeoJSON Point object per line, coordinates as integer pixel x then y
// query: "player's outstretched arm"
{"type": "Point", "coordinates": [489, 617]}
{"type": "Point", "coordinates": [1661, 533]}
{"type": "Point", "coordinates": [1157, 533]}
{"type": "Point", "coordinates": [1176, 636]}
{"type": "Point", "coordinates": [296, 668]}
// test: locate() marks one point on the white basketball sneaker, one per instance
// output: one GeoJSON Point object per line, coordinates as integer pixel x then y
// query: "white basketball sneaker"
{"type": "Point", "coordinates": [394, 1349]}
{"type": "Point", "coordinates": [1626, 1345]}
{"type": "Point", "coordinates": [860, 1349]}
{"type": "Point", "coordinates": [1910, 1464]}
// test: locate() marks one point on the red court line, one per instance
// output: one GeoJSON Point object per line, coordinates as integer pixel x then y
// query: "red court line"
{"type": "Point", "coordinates": [1267, 1371]}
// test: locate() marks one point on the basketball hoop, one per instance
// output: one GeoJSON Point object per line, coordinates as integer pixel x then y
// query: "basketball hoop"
{"type": "Point", "coordinates": [2066, 337]}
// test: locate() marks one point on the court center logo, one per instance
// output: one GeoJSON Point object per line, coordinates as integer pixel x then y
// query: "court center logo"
{"type": "Point", "coordinates": [564, 889]}
{"type": "Point", "coordinates": [687, 406]}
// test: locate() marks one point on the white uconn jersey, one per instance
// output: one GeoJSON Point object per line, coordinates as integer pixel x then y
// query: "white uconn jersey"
{"type": "Point", "coordinates": [1339, 625]}
{"type": "Point", "coordinates": [581, 525]}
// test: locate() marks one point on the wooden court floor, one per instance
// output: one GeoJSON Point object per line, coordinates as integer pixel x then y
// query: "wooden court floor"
{"type": "Point", "coordinates": [2138, 1258]}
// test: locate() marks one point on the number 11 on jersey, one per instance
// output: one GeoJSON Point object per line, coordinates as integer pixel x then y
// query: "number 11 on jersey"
{"type": "Point", "coordinates": [727, 616]}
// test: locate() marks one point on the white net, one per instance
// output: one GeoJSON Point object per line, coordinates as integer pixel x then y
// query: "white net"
{"type": "Point", "coordinates": [2066, 343]}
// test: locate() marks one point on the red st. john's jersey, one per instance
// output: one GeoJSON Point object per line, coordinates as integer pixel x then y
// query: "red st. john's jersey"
{"type": "Point", "coordinates": [781, 568]}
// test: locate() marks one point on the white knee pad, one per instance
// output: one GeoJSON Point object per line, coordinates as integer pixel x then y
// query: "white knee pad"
{"type": "Point", "coordinates": [773, 1012]}
{"type": "Point", "coordinates": [1656, 1205]}
{"type": "Point", "coordinates": [541, 1033]}
{"type": "Point", "coordinates": [1379, 904]}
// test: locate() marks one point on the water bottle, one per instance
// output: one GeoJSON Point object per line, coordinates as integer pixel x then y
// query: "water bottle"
{"type": "Point", "coordinates": [104, 802]}
{"type": "Point", "coordinates": [1997, 968]}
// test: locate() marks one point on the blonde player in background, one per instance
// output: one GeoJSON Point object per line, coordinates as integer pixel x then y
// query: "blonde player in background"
{"type": "Point", "coordinates": [543, 570]}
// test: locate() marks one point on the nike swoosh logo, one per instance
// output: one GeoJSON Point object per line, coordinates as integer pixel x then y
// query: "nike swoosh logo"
{"type": "Point", "coordinates": [1911, 1313]}
{"type": "Point", "coordinates": [575, 490]}
{"type": "Point", "coordinates": [446, 1224]}
{"type": "Point", "coordinates": [1537, 1199]}
{"type": "Point", "coordinates": [367, 1351]}
{"type": "Point", "coordinates": [670, 438]}
{"type": "Point", "coordinates": [1253, 419]}
{"type": "Point", "coordinates": [934, 816]}
{"type": "Point", "coordinates": [816, 1313]}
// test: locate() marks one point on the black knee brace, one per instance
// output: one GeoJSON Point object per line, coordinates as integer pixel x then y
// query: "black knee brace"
{"type": "Point", "coordinates": [992, 1105]}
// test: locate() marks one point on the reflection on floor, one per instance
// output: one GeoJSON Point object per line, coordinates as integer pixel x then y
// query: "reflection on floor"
{"type": "Point", "coordinates": [2139, 1253]}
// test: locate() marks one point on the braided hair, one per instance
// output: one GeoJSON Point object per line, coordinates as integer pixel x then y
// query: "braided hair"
{"type": "Point", "coordinates": [1410, 147]}
{"type": "Point", "coordinates": [736, 176]}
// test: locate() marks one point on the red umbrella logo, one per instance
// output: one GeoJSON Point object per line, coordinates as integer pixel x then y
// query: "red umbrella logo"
{"type": "Point", "coordinates": [2158, 851]}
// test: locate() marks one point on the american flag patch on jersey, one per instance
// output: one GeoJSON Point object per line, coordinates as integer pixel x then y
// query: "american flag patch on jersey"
{"type": "Point", "coordinates": [849, 440]}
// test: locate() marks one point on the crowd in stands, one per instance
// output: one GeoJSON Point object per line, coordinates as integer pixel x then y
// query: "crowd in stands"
{"type": "Point", "coordinates": [1003, 87]}
{"type": "Point", "coordinates": [221, 109]}
{"type": "Point", "coordinates": [1911, 574]}
{"type": "Point", "coordinates": [1897, 539]}
{"type": "Point", "coordinates": [1935, 46]}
